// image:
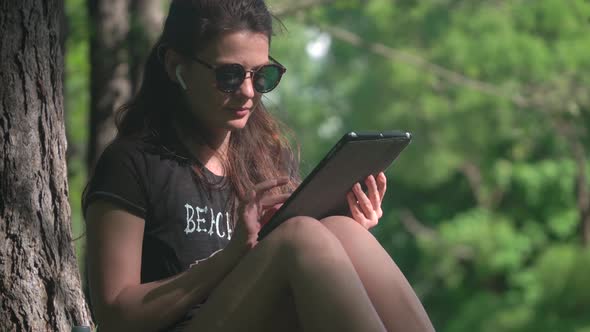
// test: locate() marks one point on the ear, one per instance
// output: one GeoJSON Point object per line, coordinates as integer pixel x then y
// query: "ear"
{"type": "Point", "coordinates": [171, 61]}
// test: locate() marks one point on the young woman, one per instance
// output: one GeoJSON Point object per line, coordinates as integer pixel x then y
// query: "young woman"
{"type": "Point", "coordinates": [176, 201]}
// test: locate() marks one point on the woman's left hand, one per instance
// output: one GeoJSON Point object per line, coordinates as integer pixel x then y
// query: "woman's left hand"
{"type": "Point", "coordinates": [366, 208]}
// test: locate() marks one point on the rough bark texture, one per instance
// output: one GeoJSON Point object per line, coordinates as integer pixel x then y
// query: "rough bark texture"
{"type": "Point", "coordinates": [110, 85]}
{"type": "Point", "coordinates": [39, 279]}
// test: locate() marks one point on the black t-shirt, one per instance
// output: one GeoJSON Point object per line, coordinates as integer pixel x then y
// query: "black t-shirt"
{"type": "Point", "coordinates": [185, 221]}
{"type": "Point", "coordinates": [187, 218]}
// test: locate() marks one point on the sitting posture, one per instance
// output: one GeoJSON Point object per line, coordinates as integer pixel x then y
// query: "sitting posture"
{"type": "Point", "coordinates": [176, 201]}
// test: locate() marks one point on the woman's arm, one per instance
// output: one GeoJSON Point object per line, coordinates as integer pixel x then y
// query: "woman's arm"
{"type": "Point", "coordinates": [120, 301]}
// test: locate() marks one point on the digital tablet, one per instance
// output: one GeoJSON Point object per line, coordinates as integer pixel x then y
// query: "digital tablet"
{"type": "Point", "coordinates": [323, 192]}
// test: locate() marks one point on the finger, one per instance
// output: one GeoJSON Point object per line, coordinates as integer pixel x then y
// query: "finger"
{"type": "Point", "coordinates": [381, 184]}
{"type": "Point", "coordinates": [354, 208]}
{"type": "Point", "coordinates": [269, 184]}
{"type": "Point", "coordinates": [363, 201]}
{"type": "Point", "coordinates": [272, 200]}
{"type": "Point", "coordinates": [373, 191]}
{"type": "Point", "coordinates": [268, 214]}
{"type": "Point", "coordinates": [248, 199]}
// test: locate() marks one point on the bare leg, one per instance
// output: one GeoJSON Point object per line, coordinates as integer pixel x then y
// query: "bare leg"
{"type": "Point", "coordinates": [301, 260]}
{"type": "Point", "coordinates": [391, 294]}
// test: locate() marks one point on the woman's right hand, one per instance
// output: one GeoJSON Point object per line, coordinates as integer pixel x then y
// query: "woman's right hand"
{"type": "Point", "coordinates": [252, 209]}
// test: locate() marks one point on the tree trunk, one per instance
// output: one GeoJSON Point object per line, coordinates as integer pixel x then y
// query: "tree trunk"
{"type": "Point", "coordinates": [147, 18]}
{"type": "Point", "coordinates": [110, 86]}
{"type": "Point", "coordinates": [39, 279]}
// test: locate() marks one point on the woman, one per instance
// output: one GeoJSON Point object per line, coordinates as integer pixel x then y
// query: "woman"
{"type": "Point", "coordinates": [176, 201]}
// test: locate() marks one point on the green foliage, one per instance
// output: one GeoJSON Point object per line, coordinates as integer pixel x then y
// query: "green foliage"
{"type": "Point", "coordinates": [77, 95]}
{"type": "Point", "coordinates": [492, 182]}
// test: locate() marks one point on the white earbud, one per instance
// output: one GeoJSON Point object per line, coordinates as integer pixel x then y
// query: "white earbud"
{"type": "Point", "coordinates": [179, 77]}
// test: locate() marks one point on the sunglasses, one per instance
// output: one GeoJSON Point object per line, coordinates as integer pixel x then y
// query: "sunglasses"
{"type": "Point", "coordinates": [229, 77]}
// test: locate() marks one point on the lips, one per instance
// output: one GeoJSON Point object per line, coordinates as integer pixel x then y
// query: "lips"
{"type": "Point", "coordinates": [240, 111]}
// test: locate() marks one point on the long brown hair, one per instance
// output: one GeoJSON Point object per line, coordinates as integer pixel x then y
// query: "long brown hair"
{"type": "Point", "coordinates": [257, 152]}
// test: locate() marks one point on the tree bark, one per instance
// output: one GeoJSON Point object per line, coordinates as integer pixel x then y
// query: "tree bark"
{"type": "Point", "coordinates": [110, 86]}
{"type": "Point", "coordinates": [39, 278]}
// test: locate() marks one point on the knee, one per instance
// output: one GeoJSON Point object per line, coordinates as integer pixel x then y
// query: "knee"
{"type": "Point", "coordinates": [305, 235]}
{"type": "Point", "coordinates": [352, 235]}
{"type": "Point", "coordinates": [343, 226]}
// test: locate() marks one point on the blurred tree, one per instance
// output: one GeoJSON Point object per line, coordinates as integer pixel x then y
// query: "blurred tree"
{"type": "Point", "coordinates": [121, 32]}
{"type": "Point", "coordinates": [495, 184]}
{"type": "Point", "coordinates": [110, 84]}
{"type": "Point", "coordinates": [39, 283]}
{"type": "Point", "coordinates": [147, 17]}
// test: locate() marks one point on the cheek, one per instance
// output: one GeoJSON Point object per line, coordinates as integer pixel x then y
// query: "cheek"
{"type": "Point", "coordinates": [221, 100]}
{"type": "Point", "coordinates": [257, 98]}
{"type": "Point", "coordinates": [209, 98]}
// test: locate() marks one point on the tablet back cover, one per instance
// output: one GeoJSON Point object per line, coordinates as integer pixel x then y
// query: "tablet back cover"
{"type": "Point", "coordinates": [351, 160]}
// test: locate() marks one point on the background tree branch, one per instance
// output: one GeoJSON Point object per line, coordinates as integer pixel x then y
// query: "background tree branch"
{"type": "Point", "coordinates": [291, 9]}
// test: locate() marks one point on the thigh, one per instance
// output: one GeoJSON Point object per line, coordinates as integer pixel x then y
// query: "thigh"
{"type": "Point", "coordinates": [373, 264]}
{"type": "Point", "coordinates": [255, 295]}
{"type": "Point", "coordinates": [389, 291]}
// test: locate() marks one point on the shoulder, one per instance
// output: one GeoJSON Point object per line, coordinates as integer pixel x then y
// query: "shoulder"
{"type": "Point", "coordinates": [139, 153]}
{"type": "Point", "coordinates": [128, 173]}
{"type": "Point", "coordinates": [148, 160]}
{"type": "Point", "coordinates": [126, 147]}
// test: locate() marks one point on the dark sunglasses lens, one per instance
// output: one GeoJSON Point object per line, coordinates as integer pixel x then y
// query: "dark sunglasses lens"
{"type": "Point", "coordinates": [267, 78]}
{"type": "Point", "coordinates": [229, 77]}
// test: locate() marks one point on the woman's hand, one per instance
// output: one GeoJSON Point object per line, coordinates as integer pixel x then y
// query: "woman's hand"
{"type": "Point", "coordinates": [254, 210]}
{"type": "Point", "coordinates": [267, 215]}
{"type": "Point", "coordinates": [366, 208]}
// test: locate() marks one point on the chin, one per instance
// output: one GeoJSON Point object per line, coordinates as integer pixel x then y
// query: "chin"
{"type": "Point", "coordinates": [236, 124]}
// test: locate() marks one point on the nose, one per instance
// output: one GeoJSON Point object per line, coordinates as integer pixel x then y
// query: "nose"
{"type": "Point", "coordinates": [247, 87]}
